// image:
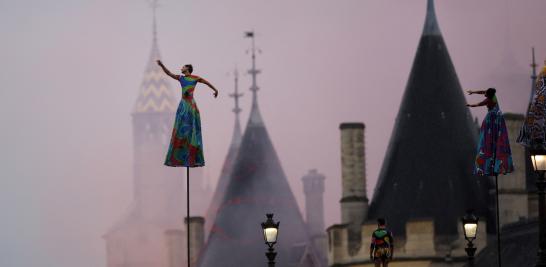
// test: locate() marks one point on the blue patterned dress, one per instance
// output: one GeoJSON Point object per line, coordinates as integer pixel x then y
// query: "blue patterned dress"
{"type": "Point", "coordinates": [494, 155]}
{"type": "Point", "coordinates": [186, 147]}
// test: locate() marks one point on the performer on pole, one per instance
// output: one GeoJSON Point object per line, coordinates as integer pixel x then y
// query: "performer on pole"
{"type": "Point", "coordinates": [494, 155]}
{"type": "Point", "coordinates": [186, 147]}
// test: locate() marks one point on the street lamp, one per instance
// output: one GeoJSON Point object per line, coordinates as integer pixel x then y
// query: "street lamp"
{"type": "Point", "coordinates": [539, 160]}
{"type": "Point", "coordinates": [538, 157]}
{"type": "Point", "coordinates": [271, 230]}
{"type": "Point", "coordinates": [470, 229]}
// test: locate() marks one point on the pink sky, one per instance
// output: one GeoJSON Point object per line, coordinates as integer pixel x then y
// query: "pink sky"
{"type": "Point", "coordinates": [71, 71]}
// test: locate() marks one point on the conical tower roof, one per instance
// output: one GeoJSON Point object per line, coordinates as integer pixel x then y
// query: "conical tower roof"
{"type": "Point", "coordinates": [427, 170]}
{"type": "Point", "coordinates": [257, 186]}
{"type": "Point", "coordinates": [229, 161]}
{"type": "Point", "coordinates": [155, 94]}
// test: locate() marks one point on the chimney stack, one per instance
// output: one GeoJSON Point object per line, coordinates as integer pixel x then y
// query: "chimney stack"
{"type": "Point", "coordinates": [313, 187]}
{"type": "Point", "coordinates": [354, 202]}
{"type": "Point", "coordinates": [197, 237]}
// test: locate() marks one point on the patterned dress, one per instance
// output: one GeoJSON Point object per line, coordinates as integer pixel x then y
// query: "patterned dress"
{"type": "Point", "coordinates": [186, 148]}
{"type": "Point", "coordinates": [494, 155]}
{"type": "Point", "coordinates": [533, 130]}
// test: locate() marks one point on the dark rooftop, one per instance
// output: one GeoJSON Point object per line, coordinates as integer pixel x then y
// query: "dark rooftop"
{"type": "Point", "coordinates": [427, 170]}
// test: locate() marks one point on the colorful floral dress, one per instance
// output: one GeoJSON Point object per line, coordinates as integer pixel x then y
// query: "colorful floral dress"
{"type": "Point", "coordinates": [533, 130]}
{"type": "Point", "coordinates": [186, 148]}
{"type": "Point", "coordinates": [494, 155]}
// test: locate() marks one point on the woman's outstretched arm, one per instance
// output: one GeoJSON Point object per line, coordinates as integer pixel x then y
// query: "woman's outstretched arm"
{"type": "Point", "coordinates": [480, 92]}
{"type": "Point", "coordinates": [174, 76]}
{"type": "Point", "coordinates": [201, 80]}
{"type": "Point", "coordinates": [483, 103]}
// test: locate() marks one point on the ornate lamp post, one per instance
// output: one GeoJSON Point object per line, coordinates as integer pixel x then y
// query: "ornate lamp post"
{"type": "Point", "coordinates": [271, 230]}
{"type": "Point", "coordinates": [470, 229]}
{"type": "Point", "coordinates": [538, 157]}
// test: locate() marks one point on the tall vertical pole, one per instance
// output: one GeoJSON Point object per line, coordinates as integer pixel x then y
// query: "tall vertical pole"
{"type": "Point", "coordinates": [495, 133]}
{"type": "Point", "coordinates": [541, 186]}
{"type": "Point", "coordinates": [498, 219]}
{"type": "Point", "coordinates": [188, 211]}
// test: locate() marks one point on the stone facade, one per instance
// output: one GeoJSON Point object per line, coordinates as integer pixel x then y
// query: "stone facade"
{"type": "Point", "coordinates": [420, 246]}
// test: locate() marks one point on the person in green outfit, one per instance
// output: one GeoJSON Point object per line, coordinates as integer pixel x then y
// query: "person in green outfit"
{"type": "Point", "coordinates": [382, 246]}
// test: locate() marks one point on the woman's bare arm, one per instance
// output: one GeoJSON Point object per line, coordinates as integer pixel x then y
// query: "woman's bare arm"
{"type": "Point", "coordinates": [201, 80]}
{"type": "Point", "coordinates": [480, 92]}
{"type": "Point", "coordinates": [483, 103]}
{"type": "Point", "coordinates": [174, 76]}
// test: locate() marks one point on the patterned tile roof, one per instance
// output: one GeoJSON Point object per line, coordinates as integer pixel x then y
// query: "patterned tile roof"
{"type": "Point", "coordinates": [155, 93]}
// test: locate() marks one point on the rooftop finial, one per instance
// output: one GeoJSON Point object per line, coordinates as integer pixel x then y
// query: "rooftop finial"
{"type": "Point", "coordinates": [253, 71]}
{"type": "Point", "coordinates": [431, 24]}
{"type": "Point", "coordinates": [255, 116]}
{"type": "Point", "coordinates": [533, 65]}
{"type": "Point", "coordinates": [533, 76]}
{"type": "Point", "coordinates": [236, 95]}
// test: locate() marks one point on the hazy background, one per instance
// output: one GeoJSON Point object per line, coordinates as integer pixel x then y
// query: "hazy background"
{"type": "Point", "coordinates": [70, 71]}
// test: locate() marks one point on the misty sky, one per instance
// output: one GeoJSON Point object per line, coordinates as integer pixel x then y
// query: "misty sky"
{"type": "Point", "coordinates": [71, 69]}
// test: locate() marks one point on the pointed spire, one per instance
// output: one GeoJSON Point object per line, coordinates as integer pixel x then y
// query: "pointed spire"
{"type": "Point", "coordinates": [256, 183]}
{"type": "Point", "coordinates": [432, 74]}
{"type": "Point", "coordinates": [255, 116]}
{"type": "Point", "coordinates": [154, 4]}
{"type": "Point", "coordinates": [225, 173]}
{"type": "Point", "coordinates": [431, 23]}
{"type": "Point", "coordinates": [533, 76]}
{"type": "Point", "coordinates": [533, 68]}
{"type": "Point", "coordinates": [155, 94]}
{"type": "Point", "coordinates": [237, 134]}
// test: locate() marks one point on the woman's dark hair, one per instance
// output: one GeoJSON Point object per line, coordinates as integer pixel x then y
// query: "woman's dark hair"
{"type": "Point", "coordinates": [490, 93]}
{"type": "Point", "coordinates": [381, 221]}
{"type": "Point", "coordinates": [190, 67]}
